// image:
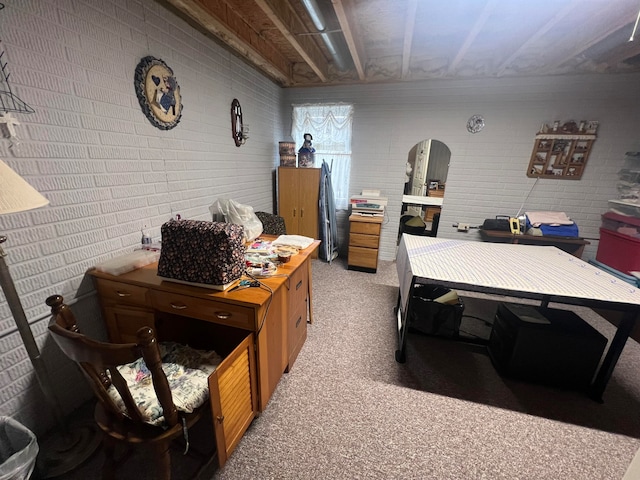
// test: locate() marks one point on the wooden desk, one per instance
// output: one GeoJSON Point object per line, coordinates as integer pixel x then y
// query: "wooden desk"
{"type": "Point", "coordinates": [274, 317]}
{"type": "Point", "coordinates": [574, 246]}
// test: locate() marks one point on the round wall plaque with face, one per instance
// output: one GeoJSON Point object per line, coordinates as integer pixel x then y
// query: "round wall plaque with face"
{"type": "Point", "coordinates": [158, 93]}
{"type": "Point", "coordinates": [236, 122]}
{"type": "Point", "coordinates": [475, 123]}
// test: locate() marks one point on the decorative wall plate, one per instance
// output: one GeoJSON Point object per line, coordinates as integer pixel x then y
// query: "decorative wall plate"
{"type": "Point", "coordinates": [475, 123]}
{"type": "Point", "coordinates": [236, 122]}
{"type": "Point", "coordinates": [158, 93]}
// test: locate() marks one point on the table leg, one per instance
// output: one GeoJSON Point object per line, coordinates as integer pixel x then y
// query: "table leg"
{"type": "Point", "coordinates": [613, 354]}
{"type": "Point", "coordinates": [402, 320]}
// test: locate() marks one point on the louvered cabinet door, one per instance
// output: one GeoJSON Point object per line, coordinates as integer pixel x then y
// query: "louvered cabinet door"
{"type": "Point", "coordinates": [233, 397]}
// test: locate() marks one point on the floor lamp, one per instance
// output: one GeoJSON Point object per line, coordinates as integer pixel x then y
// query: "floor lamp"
{"type": "Point", "coordinates": [72, 447]}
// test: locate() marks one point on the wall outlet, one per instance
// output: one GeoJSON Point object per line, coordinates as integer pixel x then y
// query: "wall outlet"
{"type": "Point", "coordinates": [463, 227]}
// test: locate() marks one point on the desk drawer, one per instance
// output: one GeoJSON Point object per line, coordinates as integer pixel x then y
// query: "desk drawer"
{"type": "Point", "coordinates": [360, 240]}
{"type": "Point", "coordinates": [363, 257]}
{"type": "Point", "coordinates": [365, 228]}
{"type": "Point", "coordinates": [298, 288]}
{"type": "Point", "coordinates": [121, 293]}
{"type": "Point", "coordinates": [212, 311]}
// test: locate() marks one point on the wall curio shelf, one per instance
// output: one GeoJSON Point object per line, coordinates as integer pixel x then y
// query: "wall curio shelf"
{"type": "Point", "coordinates": [562, 151]}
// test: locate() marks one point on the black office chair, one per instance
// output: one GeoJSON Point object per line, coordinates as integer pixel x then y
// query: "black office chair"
{"type": "Point", "coordinates": [272, 224]}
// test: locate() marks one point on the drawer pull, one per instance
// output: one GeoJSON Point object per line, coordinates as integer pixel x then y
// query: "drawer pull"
{"type": "Point", "coordinates": [122, 294]}
{"type": "Point", "coordinates": [299, 320]}
{"type": "Point", "coordinates": [178, 307]}
{"type": "Point", "coordinates": [299, 285]}
{"type": "Point", "coordinates": [220, 418]}
{"type": "Point", "coordinates": [223, 315]}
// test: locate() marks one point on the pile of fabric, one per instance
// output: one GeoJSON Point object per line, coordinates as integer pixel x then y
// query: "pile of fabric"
{"type": "Point", "coordinates": [551, 223]}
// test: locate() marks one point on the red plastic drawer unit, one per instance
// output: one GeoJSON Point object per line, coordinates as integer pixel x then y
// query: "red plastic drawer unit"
{"type": "Point", "coordinates": [619, 251]}
{"type": "Point", "coordinates": [623, 224]}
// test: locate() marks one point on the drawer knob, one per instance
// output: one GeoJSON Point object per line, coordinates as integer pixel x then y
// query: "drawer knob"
{"type": "Point", "coordinates": [181, 306]}
{"type": "Point", "coordinates": [223, 315]}
{"type": "Point", "coordinates": [220, 418]}
{"type": "Point", "coordinates": [122, 294]}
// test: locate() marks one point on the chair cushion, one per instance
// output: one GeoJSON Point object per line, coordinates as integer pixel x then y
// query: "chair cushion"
{"type": "Point", "coordinates": [187, 371]}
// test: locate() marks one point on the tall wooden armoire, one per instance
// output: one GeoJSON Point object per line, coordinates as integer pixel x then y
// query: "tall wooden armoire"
{"type": "Point", "coordinates": [298, 195]}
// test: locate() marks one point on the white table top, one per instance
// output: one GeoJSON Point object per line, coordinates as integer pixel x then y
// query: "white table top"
{"type": "Point", "coordinates": [422, 200]}
{"type": "Point", "coordinates": [503, 267]}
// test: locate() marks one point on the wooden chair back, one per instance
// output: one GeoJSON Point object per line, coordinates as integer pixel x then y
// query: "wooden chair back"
{"type": "Point", "coordinates": [99, 362]}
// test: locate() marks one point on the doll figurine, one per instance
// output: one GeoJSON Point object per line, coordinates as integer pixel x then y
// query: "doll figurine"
{"type": "Point", "coordinates": [306, 154]}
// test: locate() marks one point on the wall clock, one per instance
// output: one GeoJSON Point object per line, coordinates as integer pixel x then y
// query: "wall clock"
{"type": "Point", "coordinates": [236, 123]}
{"type": "Point", "coordinates": [475, 123]}
{"type": "Point", "coordinates": [158, 93]}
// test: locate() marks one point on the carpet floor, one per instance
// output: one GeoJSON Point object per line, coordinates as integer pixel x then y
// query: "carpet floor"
{"type": "Point", "coordinates": [348, 410]}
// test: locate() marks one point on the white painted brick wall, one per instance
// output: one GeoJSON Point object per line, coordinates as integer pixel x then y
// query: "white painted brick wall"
{"type": "Point", "coordinates": [487, 174]}
{"type": "Point", "coordinates": [105, 169]}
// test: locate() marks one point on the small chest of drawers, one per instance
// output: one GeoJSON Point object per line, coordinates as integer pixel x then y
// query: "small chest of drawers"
{"type": "Point", "coordinates": [364, 242]}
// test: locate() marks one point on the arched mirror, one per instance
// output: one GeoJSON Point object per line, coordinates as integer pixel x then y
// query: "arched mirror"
{"type": "Point", "coordinates": [426, 172]}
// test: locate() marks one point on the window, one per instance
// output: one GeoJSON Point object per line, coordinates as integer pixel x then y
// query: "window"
{"type": "Point", "coordinates": [330, 127]}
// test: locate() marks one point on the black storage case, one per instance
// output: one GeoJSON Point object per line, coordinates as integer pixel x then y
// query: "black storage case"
{"type": "Point", "coordinates": [545, 345]}
{"type": "Point", "coordinates": [434, 318]}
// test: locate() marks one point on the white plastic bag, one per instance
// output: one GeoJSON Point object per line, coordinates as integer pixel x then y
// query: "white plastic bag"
{"type": "Point", "coordinates": [239, 214]}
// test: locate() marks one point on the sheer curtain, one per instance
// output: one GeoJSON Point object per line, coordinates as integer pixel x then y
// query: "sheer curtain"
{"type": "Point", "coordinates": [330, 127]}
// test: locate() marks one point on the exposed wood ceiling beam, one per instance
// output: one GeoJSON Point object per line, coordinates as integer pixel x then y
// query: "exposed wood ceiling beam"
{"type": "Point", "coordinates": [620, 54]}
{"type": "Point", "coordinates": [625, 19]}
{"type": "Point", "coordinates": [216, 18]}
{"type": "Point", "coordinates": [475, 30]}
{"type": "Point", "coordinates": [290, 25]}
{"type": "Point", "coordinates": [344, 11]}
{"type": "Point", "coordinates": [409, 26]}
{"type": "Point", "coordinates": [537, 35]}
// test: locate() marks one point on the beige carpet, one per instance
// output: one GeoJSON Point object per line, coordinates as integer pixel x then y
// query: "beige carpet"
{"type": "Point", "coordinates": [348, 410]}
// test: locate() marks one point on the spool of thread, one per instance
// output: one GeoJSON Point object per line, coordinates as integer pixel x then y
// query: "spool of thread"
{"type": "Point", "coordinates": [284, 257]}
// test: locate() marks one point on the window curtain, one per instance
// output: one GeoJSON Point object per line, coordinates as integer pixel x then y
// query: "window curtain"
{"type": "Point", "coordinates": [330, 127]}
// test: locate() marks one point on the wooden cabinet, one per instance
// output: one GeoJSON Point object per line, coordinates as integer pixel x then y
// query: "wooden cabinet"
{"type": "Point", "coordinates": [298, 195]}
{"type": "Point", "coordinates": [364, 241]}
{"type": "Point", "coordinates": [562, 152]}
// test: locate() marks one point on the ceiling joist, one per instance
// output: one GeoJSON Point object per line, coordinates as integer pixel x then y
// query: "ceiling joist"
{"type": "Point", "coordinates": [625, 20]}
{"type": "Point", "coordinates": [344, 12]}
{"type": "Point", "coordinates": [475, 30]}
{"type": "Point", "coordinates": [291, 26]}
{"type": "Point", "coordinates": [216, 18]}
{"type": "Point", "coordinates": [409, 26]}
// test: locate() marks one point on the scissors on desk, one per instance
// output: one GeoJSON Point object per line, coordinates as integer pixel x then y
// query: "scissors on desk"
{"type": "Point", "coordinates": [246, 284]}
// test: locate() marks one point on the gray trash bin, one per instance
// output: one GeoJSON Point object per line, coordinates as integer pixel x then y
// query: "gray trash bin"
{"type": "Point", "coordinates": [18, 450]}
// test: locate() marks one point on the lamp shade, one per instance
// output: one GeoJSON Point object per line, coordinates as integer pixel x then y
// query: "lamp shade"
{"type": "Point", "coordinates": [16, 195]}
